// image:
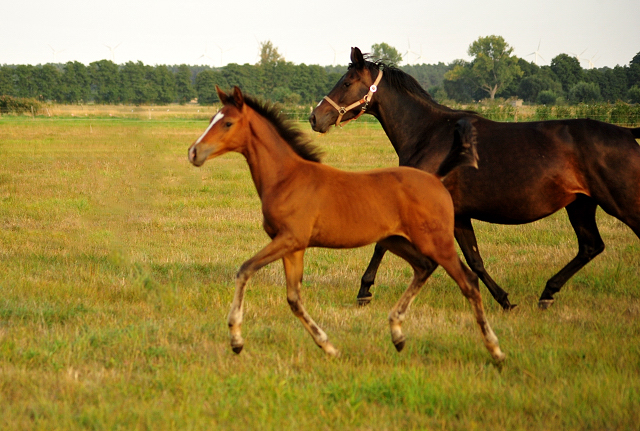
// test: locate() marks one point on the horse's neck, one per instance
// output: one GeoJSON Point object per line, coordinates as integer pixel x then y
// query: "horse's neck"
{"type": "Point", "coordinates": [270, 158]}
{"type": "Point", "coordinates": [409, 122]}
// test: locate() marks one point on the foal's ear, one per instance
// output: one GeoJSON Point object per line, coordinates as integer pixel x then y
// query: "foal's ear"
{"type": "Point", "coordinates": [238, 98]}
{"type": "Point", "coordinates": [222, 95]}
{"type": "Point", "coordinates": [357, 59]}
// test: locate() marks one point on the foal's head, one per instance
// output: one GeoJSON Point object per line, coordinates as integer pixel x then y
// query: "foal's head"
{"type": "Point", "coordinates": [229, 129]}
{"type": "Point", "coordinates": [225, 132]}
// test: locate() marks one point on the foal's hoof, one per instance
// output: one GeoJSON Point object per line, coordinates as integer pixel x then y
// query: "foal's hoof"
{"type": "Point", "coordinates": [543, 304]}
{"type": "Point", "coordinates": [365, 300]}
{"type": "Point", "coordinates": [399, 345]}
{"type": "Point", "coordinates": [237, 349]}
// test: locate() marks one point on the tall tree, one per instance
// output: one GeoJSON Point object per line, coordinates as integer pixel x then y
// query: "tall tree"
{"type": "Point", "coordinates": [493, 67]}
{"type": "Point", "coordinates": [105, 81]}
{"type": "Point", "coordinates": [568, 70]}
{"type": "Point", "coordinates": [206, 82]}
{"type": "Point", "coordinates": [75, 83]}
{"type": "Point", "coordinates": [137, 87]}
{"type": "Point", "coordinates": [269, 54]}
{"type": "Point", "coordinates": [385, 52]}
{"type": "Point", "coordinates": [6, 81]}
{"type": "Point", "coordinates": [26, 81]}
{"type": "Point", "coordinates": [47, 81]}
{"type": "Point", "coordinates": [184, 89]}
{"type": "Point", "coordinates": [165, 85]}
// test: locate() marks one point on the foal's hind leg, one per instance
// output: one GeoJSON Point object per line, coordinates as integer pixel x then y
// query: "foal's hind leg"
{"type": "Point", "coordinates": [293, 267]}
{"type": "Point", "coordinates": [468, 283]}
{"type": "Point", "coordinates": [423, 267]}
{"type": "Point", "coordinates": [369, 276]}
{"type": "Point", "coordinates": [582, 215]}
{"type": "Point", "coordinates": [466, 238]}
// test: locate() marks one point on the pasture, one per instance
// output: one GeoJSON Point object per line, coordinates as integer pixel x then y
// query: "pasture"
{"type": "Point", "coordinates": [118, 259]}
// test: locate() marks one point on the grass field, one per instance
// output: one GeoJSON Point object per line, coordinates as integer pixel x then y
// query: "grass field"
{"type": "Point", "coordinates": [118, 260]}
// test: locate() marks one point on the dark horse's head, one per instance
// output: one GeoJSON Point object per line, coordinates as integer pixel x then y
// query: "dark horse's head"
{"type": "Point", "coordinates": [350, 89]}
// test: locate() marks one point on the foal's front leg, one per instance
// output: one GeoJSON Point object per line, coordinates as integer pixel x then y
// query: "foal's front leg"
{"type": "Point", "coordinates": [293, 267]}
{"type": "Point", "coordinates": [273, 251]}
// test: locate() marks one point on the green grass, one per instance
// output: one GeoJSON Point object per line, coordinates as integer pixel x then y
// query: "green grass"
{"type": "Point", "coordinates": [118, 260]}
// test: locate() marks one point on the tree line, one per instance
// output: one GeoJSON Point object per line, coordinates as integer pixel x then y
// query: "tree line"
{"type": "Point", "coordinates": [493, 72]}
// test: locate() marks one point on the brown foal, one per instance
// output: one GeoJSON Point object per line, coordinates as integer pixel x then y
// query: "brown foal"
{"type": "Point", "coordinates": [308, 204]}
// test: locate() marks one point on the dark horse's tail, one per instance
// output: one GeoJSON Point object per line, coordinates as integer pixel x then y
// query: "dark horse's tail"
{"type": "Point", "coordinates": [636, 132]}
{"type": "Point", "coordinates": [463, 152]}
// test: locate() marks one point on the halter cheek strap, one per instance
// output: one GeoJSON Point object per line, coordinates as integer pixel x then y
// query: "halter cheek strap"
{"type": "Point", "coordinates": [365, 100]}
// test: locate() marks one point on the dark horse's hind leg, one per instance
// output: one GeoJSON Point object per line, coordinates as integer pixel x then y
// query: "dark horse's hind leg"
{"type": "Point", "coordinates": [582, 215]}
{"type": "Point", "coordinates": [369, 276]}
{"type": "Point", "coordinates": [469, 245]}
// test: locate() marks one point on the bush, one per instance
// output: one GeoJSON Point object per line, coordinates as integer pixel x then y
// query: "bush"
{"type": "Point", "coordinates": [585, 92]}
{"type": "Point", "coordinates": [18, 105]}
{"type": "Point", "coordinates": [547, 97]}
{"type": "Point", "coordinates": [563, 111]}
{"type": "Point", "coordinates": [543, 112]}
{"type": "Point", "coordinates": [634, 94]}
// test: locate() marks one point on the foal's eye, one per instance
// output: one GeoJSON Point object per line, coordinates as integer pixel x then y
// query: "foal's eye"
{"type": "Point", "coordinates": [228, 124]}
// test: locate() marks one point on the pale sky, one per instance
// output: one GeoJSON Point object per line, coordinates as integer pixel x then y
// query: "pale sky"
{"type": "Point", "coordinates": [218, 32]}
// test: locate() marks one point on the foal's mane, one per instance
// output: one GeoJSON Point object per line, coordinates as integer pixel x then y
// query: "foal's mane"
{"type": "Point", "coordinates": [297, 139]}
{"type": "Point", "coordinates": [402, 81]}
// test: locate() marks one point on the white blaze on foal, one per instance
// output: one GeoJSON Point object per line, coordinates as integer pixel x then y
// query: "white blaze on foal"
{"type": "Point", "coordinates": [216, 118]}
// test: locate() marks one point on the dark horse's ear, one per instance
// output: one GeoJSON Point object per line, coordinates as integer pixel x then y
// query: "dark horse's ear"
{"type": "Point", "coordinates": [357, 59]}
{"type": "Point", "coordinates": [238, 98]}
{"type": "Point", "coordinates": [222, 95]}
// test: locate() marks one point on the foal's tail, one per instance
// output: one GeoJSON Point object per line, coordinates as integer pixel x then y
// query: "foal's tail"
{"type": "Point", "coordinates": [463, 152]}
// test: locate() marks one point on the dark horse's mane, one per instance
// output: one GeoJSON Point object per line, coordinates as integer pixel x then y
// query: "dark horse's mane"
{"type": "Point", "coordinates": [402, 81]}
{"type": "Point", "coordinates": [297, 139]}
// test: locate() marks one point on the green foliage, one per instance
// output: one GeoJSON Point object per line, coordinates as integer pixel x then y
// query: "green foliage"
{"type": "Point", "coordinates": [493, 73]}
{"type": "Point", "coordinates": [596, 111]}
{"type": "Point", "coordinates": [530, 87]}
{"type": "Point", "coordinates": [184, 89]}
{"type": "Point", "coordinates": [543, 112]}
{"type": "Point", "coordinates": [6, 81]}
{"type": "Point", "coordinates": [568, 70]}
{"type": "Point", "coordinates": [385, 52]}
{"type": "Point", "coordinates": [165, 85]}
{"type": "Point", "coordinates": [269, 54]}
{"type": "Point", "coordinates": [493, 67]}
{"type": "Point", "coordinates": [206, 82]}
{"type": "Point", "coordinates": [585, 92]}
{"type": "Point", "coordinates": [547, 97]}
{"type": "Point", "coordinates": [75, 83]}
{"type": "Point", "coordinates": [633, 95]}
{"type": "Point", "coordinates": [105, 78]}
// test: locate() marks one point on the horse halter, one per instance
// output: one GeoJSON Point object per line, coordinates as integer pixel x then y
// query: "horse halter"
{"type": "Point", "coordinates": [365, 100]}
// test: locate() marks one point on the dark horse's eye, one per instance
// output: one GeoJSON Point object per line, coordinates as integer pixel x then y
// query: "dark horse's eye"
{"type": "Point", "coordinates": [346, 84]}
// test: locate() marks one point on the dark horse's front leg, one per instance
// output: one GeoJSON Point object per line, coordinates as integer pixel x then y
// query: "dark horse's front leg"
{"type": "Point", "coordinates": [369, 276]}
{"type": "Point", "coordinates": [466, 238]}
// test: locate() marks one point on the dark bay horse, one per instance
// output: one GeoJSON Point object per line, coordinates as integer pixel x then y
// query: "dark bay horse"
{"type": "Point", "coordinates": [527, 170]}
{"type": "Point", "coordinates": [308, 204]}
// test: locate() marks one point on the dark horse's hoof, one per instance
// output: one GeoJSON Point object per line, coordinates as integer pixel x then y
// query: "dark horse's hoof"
{"type": "Point", "coordinates": [509, 306]}
{"type": "Point", "coordinates": [543, 304]}
{"type": "Point", "coordinates": [237, 349]}
{"type": "Point", "coordinates": [365, 300]}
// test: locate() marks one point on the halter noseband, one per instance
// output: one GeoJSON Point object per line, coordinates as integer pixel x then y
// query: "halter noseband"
{"type": "Point", "coordinates": [365, 100]}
